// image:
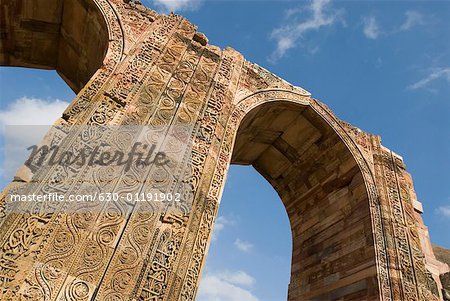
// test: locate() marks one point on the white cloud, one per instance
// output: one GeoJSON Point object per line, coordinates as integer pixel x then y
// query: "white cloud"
{"type": "Point", "coordinates": [243, 246]}
{"type": "Point", "coordinates": [435, 74]}
{"type": "Point", "coordinates": [176, 5]}
{"type": "Point", "coordinates": [241, 278]}
{"type": "Point", "coordinates": [23, 123]}
{"type": "Point", "coordinates": [320, 15]}
{"type": "Point", "coordinates": [413, 18]}
{"type": "Point", "coordinates": [32, 111]}
{"type": "Point", "coordinates": [226, 286]}
{"type": "Point", "coordinates": [371, 29]}
{"type": "Point", "coordinates": [444, 210]}
{"type": "Point", "coordinates": [220, 224]}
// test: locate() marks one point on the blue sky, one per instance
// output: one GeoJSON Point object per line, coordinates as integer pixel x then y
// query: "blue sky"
{"type": "Point", "coordinates": [383, 66]}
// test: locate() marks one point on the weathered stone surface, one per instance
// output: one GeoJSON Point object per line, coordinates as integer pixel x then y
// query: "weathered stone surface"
{"type": "Point", "coordinates": [442, 254]}
{"type": "Point", "coordinates": [355, 219]}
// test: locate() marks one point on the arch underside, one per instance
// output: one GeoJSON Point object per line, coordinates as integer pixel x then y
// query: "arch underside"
{"type": "Point", "coordinates": [323, 190]}
{"type": "Point", "coordinates": [70, 36]}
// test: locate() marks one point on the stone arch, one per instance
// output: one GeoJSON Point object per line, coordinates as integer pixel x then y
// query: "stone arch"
{"type": "Point", "coordinates": [70, 36]}
{"type": "Point", "coordinates": [368, 276]}
{"type": "Point", "coordinates": [82, 40]}
{"type": "Point", "coordinates": [153, 58]}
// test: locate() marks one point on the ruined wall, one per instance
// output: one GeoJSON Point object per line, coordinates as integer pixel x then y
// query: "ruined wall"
{"type": "Point", "coordinates": [350, 200]}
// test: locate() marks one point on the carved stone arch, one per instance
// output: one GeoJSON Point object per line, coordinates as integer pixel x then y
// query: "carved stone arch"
{"type": "Point", "coordinates": [263, 97]}
{"type": "Point", "coordinates": [70, 36]}
{"type": "Point", "coordinates": [279, 97]}
{"type": "Point", "coordinates": [159, 71]}
{"type": "Point", "coordinates": [82, 40]}
{"type": "Point", "coordinates": [395, 269]}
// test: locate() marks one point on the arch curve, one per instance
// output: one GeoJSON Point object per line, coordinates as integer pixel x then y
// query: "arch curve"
{"type": "Point", "coordinates": [74, 37]}
{"type": "Point", "coordinates": [356, 197]}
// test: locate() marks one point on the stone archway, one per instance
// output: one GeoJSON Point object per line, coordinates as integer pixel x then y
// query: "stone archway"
{"type": "Point", "coordinates": [371, 272]}
{"type": "Point", "coordinates": [158, 70]}
{"type": "Point", "coordinates": [322, 187]}
{"type": "Point", "coordinates": [68, 36]}
{"type": "Point", "coordinates": [325, 183]}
